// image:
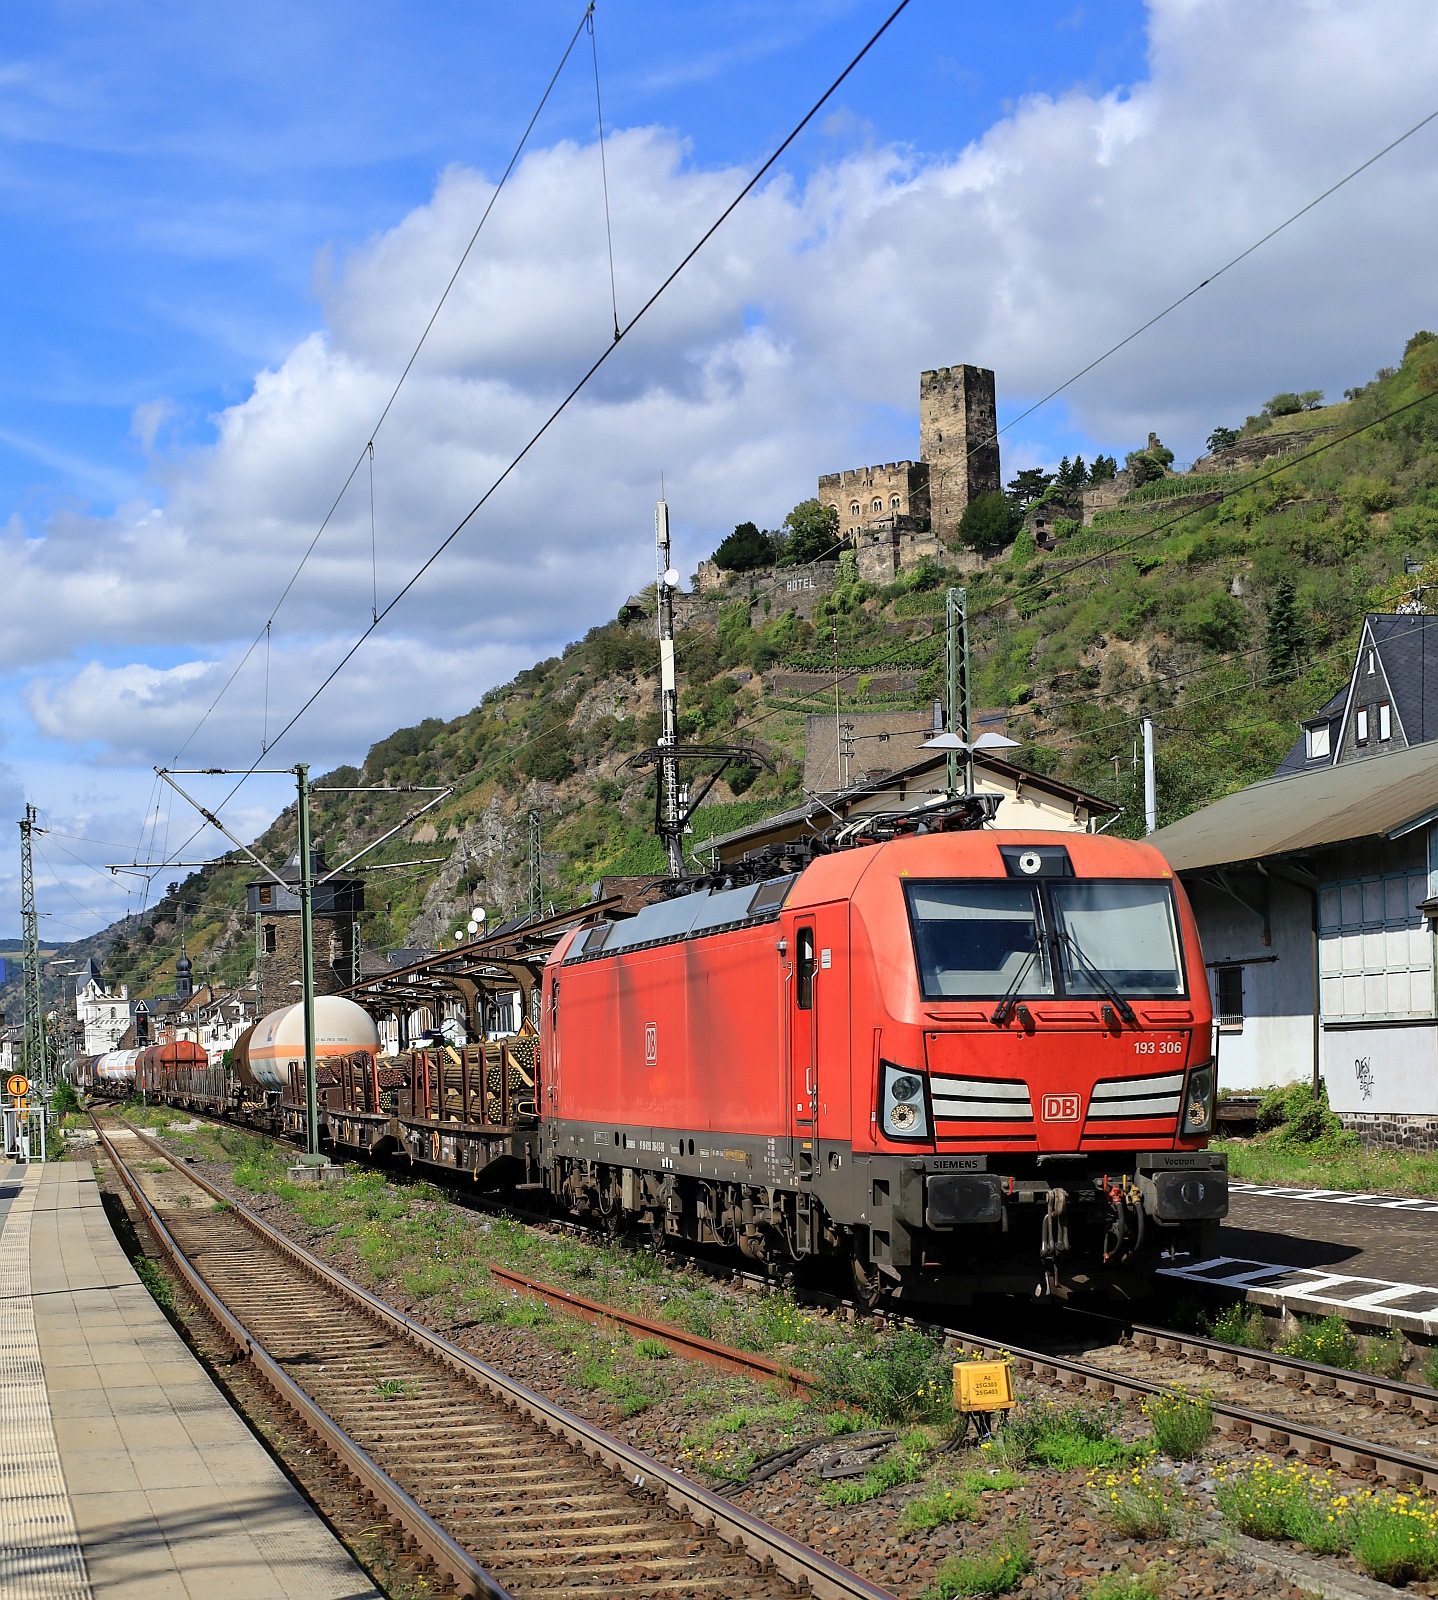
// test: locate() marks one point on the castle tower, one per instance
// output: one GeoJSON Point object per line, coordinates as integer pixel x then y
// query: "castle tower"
{"type": "Point", "coordinates": [957, 437]}
{"type": "Point", "coordinates": [336, 904]}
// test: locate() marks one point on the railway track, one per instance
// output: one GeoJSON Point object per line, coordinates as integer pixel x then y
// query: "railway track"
{"type": "Point", "coordinates": [1353, 1421]}
{"type": "Point", "coordinates": [505, 1493]}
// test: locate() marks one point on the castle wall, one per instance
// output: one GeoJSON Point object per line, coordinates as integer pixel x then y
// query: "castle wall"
{"type": "Point", "coordinates": [958, 425]}
{"type": "Point", "coordinates": [870, 498]}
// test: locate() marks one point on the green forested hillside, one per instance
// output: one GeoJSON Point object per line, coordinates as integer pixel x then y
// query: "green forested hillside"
{"type": "Point", "coordinates": [1223, 604]}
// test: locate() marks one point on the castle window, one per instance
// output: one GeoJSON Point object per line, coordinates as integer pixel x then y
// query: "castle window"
{"type": "Point", "coordinates": [893, 503]}
{"type": "Point", "coordinates": [878, 504]}
{"type": "Point", "coordinates": [854, 509]}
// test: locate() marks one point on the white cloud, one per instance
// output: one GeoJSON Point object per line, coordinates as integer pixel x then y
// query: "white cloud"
{"type": "Point", "coordinates": [1069, 223]}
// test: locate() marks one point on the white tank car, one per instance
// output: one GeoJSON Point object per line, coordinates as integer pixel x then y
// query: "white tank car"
{"type": "Point", "coordinates": [341, 1028]}
{"type": "Point", "coordinates": [116, 1069]}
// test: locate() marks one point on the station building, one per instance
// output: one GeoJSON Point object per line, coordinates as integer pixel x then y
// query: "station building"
{"type": "Point", "coordinates": [1315, 893]}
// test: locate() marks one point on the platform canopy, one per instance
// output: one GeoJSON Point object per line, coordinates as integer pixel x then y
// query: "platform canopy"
{"type": "Point", "coordinates": [1381, 796]}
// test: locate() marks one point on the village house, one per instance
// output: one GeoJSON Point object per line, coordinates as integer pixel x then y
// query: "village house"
{"type": "Point", "coordinates": [1315, 893]}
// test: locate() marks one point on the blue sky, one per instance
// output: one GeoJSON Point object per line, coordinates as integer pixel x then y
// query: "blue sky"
{"type": "Point", "coordinates": [169, 174]}
{"type": "Point", "coordinates": [224, 229]}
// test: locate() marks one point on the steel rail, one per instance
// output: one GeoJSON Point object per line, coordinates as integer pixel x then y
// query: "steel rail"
{"type": "Point", "coordinates": [684, 1343]}
{"type": "Point", "coordinates": [451, 1561]}
{"type": "Point", "coordinates": [1264, 1429]}
{"type": "Point", "coordinates": [1392, 1394]}
{"type": "Point", "coordinates": [769, 1546]}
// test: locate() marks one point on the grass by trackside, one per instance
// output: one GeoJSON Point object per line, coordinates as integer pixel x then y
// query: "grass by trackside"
{"type": "Point", "coordinates": [1301, 1143]}
{"type": "Point", "coordinates": [1392, 1534]}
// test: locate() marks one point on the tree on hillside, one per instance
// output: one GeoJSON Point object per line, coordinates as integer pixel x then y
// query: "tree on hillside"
{"type": "Point", "coordinates": [745, 550]}
{"type": "Point", "coordinates": [1288, 404]}
{"type": "Point", "coordinates": [1283, 639]}
{"type": "Point", "coordinates": [1029, 485]}
{"type": "Point", "coordinates": [1103, 469]}
{"type": "Point", "coordinates": [990, 522]}
{"type": "Point", "coordinates": [1222, 439]}
{"type": "Point", "coordinates": [1149, 465]}
{"type": "Point", "coordinates": [813, 531]}
{"type": "Point", "coordinates": [1417, 342]}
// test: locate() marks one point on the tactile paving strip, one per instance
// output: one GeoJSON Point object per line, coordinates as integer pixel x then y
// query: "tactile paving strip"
{"type": "Point", "coordinates": [40, 1555]}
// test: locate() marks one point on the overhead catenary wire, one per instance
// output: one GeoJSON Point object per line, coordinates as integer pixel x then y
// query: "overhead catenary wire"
{"type": "Point", "coordinates": [1212, 278]}
{"type": "Point", "coordinates": [399, 383]}
{"type": "Point", "coordinates": [603, 171]}
{"type": "Point", "coordinates": [563, 405]}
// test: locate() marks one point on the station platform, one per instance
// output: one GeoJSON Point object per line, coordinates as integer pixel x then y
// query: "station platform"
{"type": "Point", "coordinates": [1371, 1258]}
{"type": "Point", "coordinates": [124, 1472]}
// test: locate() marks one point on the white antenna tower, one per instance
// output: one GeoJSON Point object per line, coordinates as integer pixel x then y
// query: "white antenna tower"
{"type": "Point", "coordinates": [668, 774]}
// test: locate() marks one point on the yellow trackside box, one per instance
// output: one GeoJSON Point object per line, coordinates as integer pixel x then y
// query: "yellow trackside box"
{"type": "Point", "coordinates": [983, 1385]}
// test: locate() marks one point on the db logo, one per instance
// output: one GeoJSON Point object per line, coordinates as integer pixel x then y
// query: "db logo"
{"type": "Point", "coordinates": [651, 1045]}
{"type": "Point", "coordinates": [1060, 1108]}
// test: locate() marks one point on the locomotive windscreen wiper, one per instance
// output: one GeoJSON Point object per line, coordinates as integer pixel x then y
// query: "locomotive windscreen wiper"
{"type": "Point", "coordinates": [1124, 1009]}
{"type": "Point", "coordinates": [1005, 1008]}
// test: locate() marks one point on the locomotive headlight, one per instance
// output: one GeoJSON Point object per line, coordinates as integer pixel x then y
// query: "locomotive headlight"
{"type": "Point", "coordinates": [903, 1113]}
{"type": "Point", "coordinates": [1198, 1101]}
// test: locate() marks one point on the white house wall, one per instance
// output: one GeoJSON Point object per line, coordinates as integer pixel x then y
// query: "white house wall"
{"type": "Point", "coordinates": [1275, 1043]}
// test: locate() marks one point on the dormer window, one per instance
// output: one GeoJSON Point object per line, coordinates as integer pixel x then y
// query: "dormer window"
{"type": "Point", "coordinates": [1318, 742]}
{"type": "Point", "coordinates": [1360, 733]}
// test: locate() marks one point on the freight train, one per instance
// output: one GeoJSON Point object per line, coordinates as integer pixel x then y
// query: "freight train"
{"type": "Point", "coordinates": [953, 1060]}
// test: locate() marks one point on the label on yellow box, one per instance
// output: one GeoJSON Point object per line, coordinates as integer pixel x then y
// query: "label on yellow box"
{"type": "Point", "coordinates": [983, 1385]}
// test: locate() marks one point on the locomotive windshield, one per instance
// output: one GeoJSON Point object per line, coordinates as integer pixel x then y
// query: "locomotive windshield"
{"type": "Point", "coordinates": [993, 937]}
{"type": "Point", "coordinates": [976, 941]}
{"type": "Point", "coordinates": [1123, 935]}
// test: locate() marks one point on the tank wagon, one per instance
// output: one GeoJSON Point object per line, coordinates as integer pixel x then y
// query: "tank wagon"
{"type": "Point", "coordinates": [951, 1059]}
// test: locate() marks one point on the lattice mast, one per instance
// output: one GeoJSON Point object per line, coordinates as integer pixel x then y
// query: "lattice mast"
{"type": "Point", "coordinates": [671, 823]}
{"type": "Point", "coordinates": [536, 869]}
{"type": "Point", "coordinates": [35, 1056]}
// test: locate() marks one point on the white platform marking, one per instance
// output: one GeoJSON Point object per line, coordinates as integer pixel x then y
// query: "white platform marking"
{"type": "Point", "coordinates": [1336, 1197]}
{"type": "Point", "coordinates": [1316, 1289]}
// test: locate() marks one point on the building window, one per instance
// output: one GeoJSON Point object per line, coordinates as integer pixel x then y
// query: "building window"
{"type": "Point", "coordinates": [854, 509]}
{"type": "Point", "coordinates": [1318, 742]}
{"type": "Point", "coordinates": [893, 502]}
{"type": "Point", "coordinates": [1230, 997]}
{"type": "Point", "coordinates": [878, 504]}
{"type": "Point", "coordinates": [1385, 720]}
{"type": "Point", "coordinates": [269, 938]}
{"type": "Point", "coordinates": [267, 894]}
{"type": "Point", "coordinates": [1372, 662]}
{"type": "Point", "coordinates": [1361, 728]}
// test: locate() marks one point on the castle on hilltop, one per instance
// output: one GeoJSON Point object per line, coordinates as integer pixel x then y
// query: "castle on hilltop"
{"type": "Point", "coordinates": [896, 514]}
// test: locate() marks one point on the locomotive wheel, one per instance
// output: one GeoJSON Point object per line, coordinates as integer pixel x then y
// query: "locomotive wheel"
{"type": "Point", "coordinates": [868, 1285]}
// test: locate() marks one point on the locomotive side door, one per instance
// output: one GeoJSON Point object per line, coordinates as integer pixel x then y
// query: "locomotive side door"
{"type": "Point", "coordinates": [804, 1037]}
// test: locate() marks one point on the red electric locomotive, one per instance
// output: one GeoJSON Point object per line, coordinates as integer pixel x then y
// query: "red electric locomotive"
{"type": "Point", "coordinates": [962, 1061]}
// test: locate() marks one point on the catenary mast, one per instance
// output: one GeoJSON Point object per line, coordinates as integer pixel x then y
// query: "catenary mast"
{"type": "Point", "coordinates": [35, 1052]}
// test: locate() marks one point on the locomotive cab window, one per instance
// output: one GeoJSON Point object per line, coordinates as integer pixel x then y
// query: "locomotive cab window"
{"type": "Point", "coordinates": [1119, 935]}
{"type": "Point", "coordinates": [978, 941]}
{"type": "Point", "coordinates": [804, 968]}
